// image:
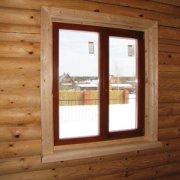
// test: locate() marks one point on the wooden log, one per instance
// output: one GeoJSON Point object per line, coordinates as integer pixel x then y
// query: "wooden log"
{"type": "Point", "coordinates": [169, 133]}
{"type": "Point", "coordinates": [169, 42]}
{"type": "Point", "coordinates": [12, 28]}
{"type": "Point", "coordinates": [142, 4]}
{"type": "Point", "coordinates": [127, 165]}
{"type": "Point", "coordinates": [19, 81]}
{"type": "Point", "coordinates": [169, 169]}
{"type": "Point", "coordinates": [154, 172]}
{"type": "Point", "coordinates": [19, 116]}
{"type": "Point", "coordinates": [169, 2]}
{"type": "Point", "coordinates": [33, 163]}
{"type": "Point", "coordinates": [169, 80]}
{"type": "Point", "coordinates": [168, 33]}
{"type": "Point", "coordinates": [169, 109]}
{"type": "Point", "coordinates": [169, 48]}
{"type": "Point", "coordinates": [19, 49]}
{"type": "Point", "coordinates": [145, 173]}
{"type": "Point", "coordinates": [169, 68]}
{"type": "Point", "coordinates": [170, 177]}
{"type": "Point", "coordinates": [98, 168]}
{"type": "Point", "coordinates": [169, 75]}
{"type": "Point", "coordinates": [170, 83]}
{"type": "Point", "coordinates": [116, 166]}
{"type": "Point", "coordinates": [19, 16]}
{"type": "Point", "coordinates": [164, 19]}
{"type": "Point", "coordinates": [36, 5]}
{"type": "Point", "coordinates": [19, 66]}
{"type": "Point", "coordinates": [18, 100]}
{"type": "Point", "coordinates": [169, 96]}
{"type": "Point", "coordinates": [20, 148]}
{"type": "Point", "coordinates": [126, 11]}
{"type": "Point", "coordinates": [169, 58]}
{"type": "Point", "coordinates": [15, 165]}
{"type": "Point", "coordinates": [19, 133]}
{"type": "Point", "coordinates": [19, 37]}
{"type": "Point", "coordinates": [141, 174]}
{"type": "Point", "coordinates": [35, 175]}
{"type": "Point", "coordinates": [171, 144]}
{"type": "Point", "coordinates": [169, 121]}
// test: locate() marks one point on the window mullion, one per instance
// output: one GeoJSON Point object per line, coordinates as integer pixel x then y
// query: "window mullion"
{"type": "Point", "coordinates": [104, 84]}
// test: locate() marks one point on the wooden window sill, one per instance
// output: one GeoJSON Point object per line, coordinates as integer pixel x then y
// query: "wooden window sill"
{"type": "Point", "coordinates": [87, 150]}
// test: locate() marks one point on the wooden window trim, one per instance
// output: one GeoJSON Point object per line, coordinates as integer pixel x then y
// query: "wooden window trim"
{"type": "Point", "coordinates": [50, 152]}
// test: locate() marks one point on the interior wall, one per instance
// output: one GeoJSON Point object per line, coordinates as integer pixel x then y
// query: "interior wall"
{"type": "Point", "coordinates": [20, 121]}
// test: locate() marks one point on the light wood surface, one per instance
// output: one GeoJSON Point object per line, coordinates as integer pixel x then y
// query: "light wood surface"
{"type": "Point", "coordinates": [20, 158]}
{"type": "Point", "coordinates": [150, 29]}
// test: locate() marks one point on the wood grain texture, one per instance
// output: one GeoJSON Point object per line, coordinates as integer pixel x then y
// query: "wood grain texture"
{"type": "Point", "coordinates": [169, 121]}
{"type": "Point", "coordinates": [143, 4]}
{"type": "Point", "coordinates": [144, 173]}
{"type": "Point", "coordinates": [19, 99]}
{"type": "Point", "coordinates": [13, 28]}
{"type": "Point", "coordinates": [150, 29]}
{"type": "Point", "coordinates": [15, 16]}
{"type": "Point", "coordinates": [19, 49]}
{"type": "Point", "coordinates": [20, 148]}
{"type": "Point", "coordinates": [168, 48]}
{"type": "Point", "coordinates": [19, 133]}
{"type": "Point", "coordinates": [169, 68]}
{"type": "Point", "coordinates": [20, 126]}
{"type": "Point", "coordinates": [169, 58]}
{"type": "Point", "coordinates": [23, 81]}
{"type": "Point", "coordinates": [169, 33]}
{"type": "Point", "coordinates": [170, 2]}
{"type": "Point", "coordinates": [117, 167]}
{"type": "Point", "coordinates": [164, 19]}
{"type": "Point", "coordinates": [20, 66]}
{"type": "Point", "coordinates": [19, 37]}
{"type": "Point", "coordinates": [19, 116]}
{"type": "Point", "coordinates": [169, 96]}
{"type": "Point", "coordinates": [169, 109]}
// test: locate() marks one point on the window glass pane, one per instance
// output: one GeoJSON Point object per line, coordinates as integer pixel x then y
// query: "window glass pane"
{"type": "Point", "coordinates": [122, 84]}
{"type": "Point", "coordinates": [78, 84]}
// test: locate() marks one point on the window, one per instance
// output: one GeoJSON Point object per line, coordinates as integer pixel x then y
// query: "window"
{"type": "Point", "coordinates": [99, 89]}
{"type": "Point", "coordinates": [98, 80]}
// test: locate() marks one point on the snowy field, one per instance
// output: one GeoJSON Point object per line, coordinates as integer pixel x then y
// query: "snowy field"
{"type": "Point", "coordinates": [82, 120]}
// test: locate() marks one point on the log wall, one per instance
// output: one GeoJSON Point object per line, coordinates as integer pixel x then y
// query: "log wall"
{"type": "Point", "coordinates": [20, 127]}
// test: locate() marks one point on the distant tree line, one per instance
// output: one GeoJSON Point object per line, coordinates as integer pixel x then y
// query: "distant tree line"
{"type": "Point", "coordinates": [84, 78]}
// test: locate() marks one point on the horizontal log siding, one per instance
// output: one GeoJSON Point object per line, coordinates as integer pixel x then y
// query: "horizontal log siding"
{"type": "Point", "coordinates": [20, 127]}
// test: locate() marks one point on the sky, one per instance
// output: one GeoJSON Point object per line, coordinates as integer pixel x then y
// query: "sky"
{"type": "Point", "coordinates": [76, 60]}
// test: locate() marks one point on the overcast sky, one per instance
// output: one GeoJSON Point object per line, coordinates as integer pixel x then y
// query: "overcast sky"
{"type": "Point", "coordinates": [76, 60]}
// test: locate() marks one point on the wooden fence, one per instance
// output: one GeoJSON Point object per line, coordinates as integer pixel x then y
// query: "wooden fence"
{"type": "Point", "coordinates": [69, 98]}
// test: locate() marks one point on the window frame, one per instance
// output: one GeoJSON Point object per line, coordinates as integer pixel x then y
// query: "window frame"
{"type": "Point", "coordinates": [104, 35]}
{"type": "Point", "coordinates": [51, 152]}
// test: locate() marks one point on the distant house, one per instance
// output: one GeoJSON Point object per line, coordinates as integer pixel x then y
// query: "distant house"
{"type": "Point", "coordinates": [66, 82]}
{"type": "Point", "coordinates": [114, 80]}
{"type": "Point", "coordinates": [117, 84]}
{"type": "Point", "coordinates": [82, 87]}
{"type": "Point", "coordinates": [88, 85]}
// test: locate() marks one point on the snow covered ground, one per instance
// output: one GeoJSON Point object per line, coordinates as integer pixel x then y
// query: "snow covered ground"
{"type": "Point", "coordinates": [82, 120]}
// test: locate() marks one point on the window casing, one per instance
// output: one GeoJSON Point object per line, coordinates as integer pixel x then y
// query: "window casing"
{"type": "Point", "coordinates": [104, 34]}
{"type": "Point", "coordinates": [52, 152]}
